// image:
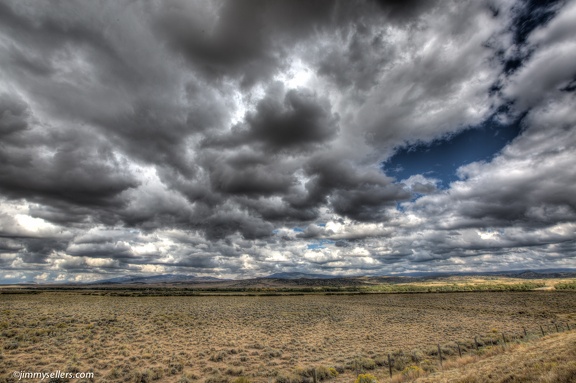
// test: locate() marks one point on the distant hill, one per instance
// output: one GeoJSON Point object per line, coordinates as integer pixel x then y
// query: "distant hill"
{"type": "Point", "coordinates": [523, 274]}
{"type": "Point", "coordinates": [163, 278]}
{"type": "Point", "coordinates": [549, 273]}
{"type": "Point", "coordinates": [291, 279]}
{"type": "Point", "coordinates": [397, 278]}
{"type": "Point", "coordinates": [296, 275]}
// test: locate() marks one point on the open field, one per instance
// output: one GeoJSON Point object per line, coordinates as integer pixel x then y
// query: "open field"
{"type": "Point", "coordinates": [264, 338]}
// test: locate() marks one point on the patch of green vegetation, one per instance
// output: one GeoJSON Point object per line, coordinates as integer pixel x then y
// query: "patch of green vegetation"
{"type": "Point", "coordinates": [19, 291]}
{"type": "Point", "coordinates": [412, 372]}
{"type": "Point", "coordinates": [366, 378]}
{"type": "Point", "coordinates": [490, 287]}
{"type": "Point", "coordinates": [566, 286]}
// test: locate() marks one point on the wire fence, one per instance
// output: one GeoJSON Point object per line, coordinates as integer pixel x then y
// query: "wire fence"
{"type": "Point", "coordinates": [415, 363]}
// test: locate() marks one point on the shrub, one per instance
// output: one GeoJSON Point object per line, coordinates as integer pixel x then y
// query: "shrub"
{"type": "Point", "coordinates": [417, 356]}
{"type": "Point", "coordinates": [429, 365]}
{"type": "Point", "coordinates": [114, 373]}
{"type": "Point", "coordinates": [367, 363]}
{"type": "Point", "coordinates": [339, 369]}
{"type": "Point", "coordinates": [366, 378]}
{"type": "Point", "coordinates": [147, 376]}
{"type": "Point", "coordinates": [216, 379]}
{"type": "Point", "coordinates": [11, 346]}
{"type": "Point", "coordinates": [304, 372]}
{"type": "Point", "coordinates": [188, 378]}
{"type": "Point", "coordinates": [326, 372]}
{"type": "Point", "coordinates": [218, 356]}
{"type": "Point", "coordinates": [273, 353]}
{"type": "Point", "coordinates": [412, 372]}
{"type": "Point", "coordinates": [291, 378]}
{"type": "Point", "coordinates": [333, 372]}
{"type": "Point", "coordinates": [175, 367]}
{"type": "Point", "coordinates": [566, 286]}
{"type": "Point", "coordinates": [381, 360]}
{"type": "Point", "coordinates": [362, 364]}
{"type": "Point", "coordinates": [235, 371]}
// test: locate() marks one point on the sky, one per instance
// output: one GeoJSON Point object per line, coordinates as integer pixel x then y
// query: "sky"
{"type": "Point", "coordinates": [236, 139]}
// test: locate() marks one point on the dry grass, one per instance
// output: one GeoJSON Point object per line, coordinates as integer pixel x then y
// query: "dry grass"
{"type": "Point", "coordinates": [260, 338]}
{"type": "Point", "coordinates": [549, 360]}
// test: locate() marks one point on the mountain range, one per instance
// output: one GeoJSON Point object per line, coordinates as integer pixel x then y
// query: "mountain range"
{"type": "Point", "coordinates": [180, 278]}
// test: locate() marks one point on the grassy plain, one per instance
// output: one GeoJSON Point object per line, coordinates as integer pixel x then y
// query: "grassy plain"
{"type": "Point", "coordinates": [263, 338]}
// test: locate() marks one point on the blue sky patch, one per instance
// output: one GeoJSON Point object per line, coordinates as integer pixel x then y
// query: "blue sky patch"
{"type": "Point", "coordinates": [319, 244]}
{"type": "Point", "coordinates": [441, 158]}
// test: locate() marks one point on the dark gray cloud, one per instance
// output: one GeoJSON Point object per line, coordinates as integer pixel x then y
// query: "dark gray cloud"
{"type": "Point", "coordinates": [402, 11]}
{"type": "Point", "coordinates": [14, 116]}
{"type": "Point", "coordinates": [37, 250]}
{"type": "Point", "coordinates": [247, 41]}
{"type": "Point", "coordinates": [245, 137]}
{"type": "Point", "coordinates": [298, 122]}
{"type": "Point", "coordinates": [230, 44]}
{"type": "Point", "coordinates": [355, 63]}
{"type": "Point", "coordinates": [292, 120]}
{"type": "Point", "coordinates": [65, 166]}
{"type": "Point", "coordinates": [352, 192]}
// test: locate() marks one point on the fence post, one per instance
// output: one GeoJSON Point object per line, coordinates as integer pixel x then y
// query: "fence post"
{"type": "Point", "coordinates": [390, 365]}
{"type": "Point", "coordinates": [314, 376]}
{"type": "Point", "coordinates": [568, 326]}
{"type": "Point", "coordinates": [440, 356]}
{"type": "Point", "coordinates": [556, 325]}
{"type": "Point", "coordinates": [504, 339]}
{"type": "Point", "coordinates": [542, 330]}
{"type": "Point", "coordinates": [476, 343]}
{"type": "Point", "coordinates": [525, 333]}
{"type": "Point", "coordinates": [459, 351]}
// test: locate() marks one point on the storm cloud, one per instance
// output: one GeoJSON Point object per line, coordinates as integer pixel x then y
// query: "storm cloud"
{"type": "Point", "coordinates": [238, 138]}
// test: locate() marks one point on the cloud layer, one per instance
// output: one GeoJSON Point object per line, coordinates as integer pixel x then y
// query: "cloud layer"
{"type": "Point", "coordinates": [239, 138]}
